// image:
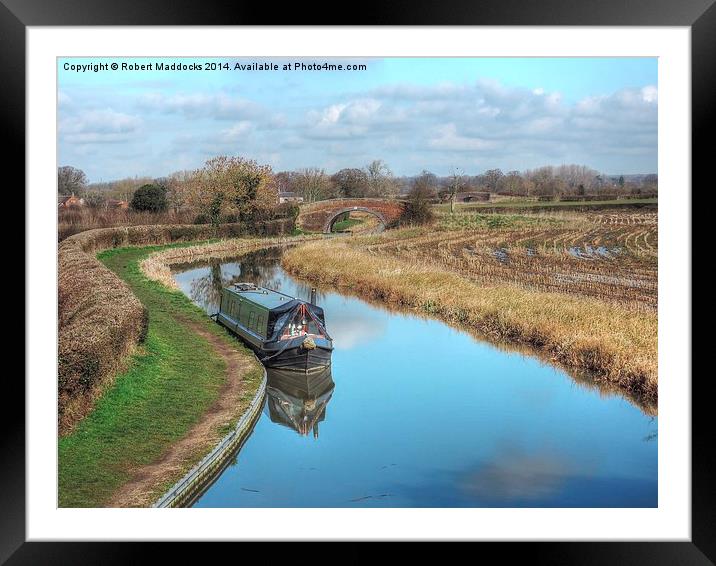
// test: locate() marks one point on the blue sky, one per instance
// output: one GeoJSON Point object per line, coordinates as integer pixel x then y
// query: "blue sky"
{"type": "Point", "coordinates": [414, 113]}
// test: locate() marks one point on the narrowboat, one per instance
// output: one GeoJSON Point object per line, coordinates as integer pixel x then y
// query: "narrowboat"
{"type": "Point", "coordinates": [298, 400]}
{"type": "Point", "coordinates": [285, 332]}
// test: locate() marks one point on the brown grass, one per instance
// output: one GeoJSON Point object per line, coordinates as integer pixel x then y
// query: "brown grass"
{"type": "Point", "coordinates": [607, 256]}
{"type": "Point", "coordinates": [75, 220]}
{"type": "Point", "coordinates": [617, 345]}
{"type": "Point", "coordinates": [100, 321]}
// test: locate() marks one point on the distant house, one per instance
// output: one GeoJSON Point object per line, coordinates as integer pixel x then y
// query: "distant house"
{"type": "Point", "coordinates": [289, 197]}
{"type": "Point", "coordinates": [120, 204]}
{"type": "Point", "coordinates": [70, 201]}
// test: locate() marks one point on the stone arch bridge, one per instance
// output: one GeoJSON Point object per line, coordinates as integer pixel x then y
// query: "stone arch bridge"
{"type": "Point", "coordinates": [320, 216]}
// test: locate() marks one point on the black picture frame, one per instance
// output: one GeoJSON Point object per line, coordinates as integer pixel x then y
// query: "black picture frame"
{"type": "Point", "coordinates": [699, 15]}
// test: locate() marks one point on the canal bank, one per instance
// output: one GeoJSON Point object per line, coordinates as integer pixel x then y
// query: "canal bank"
{"type": "Point", "coordinates": [186, 386]}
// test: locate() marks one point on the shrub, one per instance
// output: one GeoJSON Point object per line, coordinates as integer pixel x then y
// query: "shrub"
{"type": "Point", "coordinates": [288, 210]}
{"type": "Point", "coordinates": [150, 197]}
{"type": "Point", "coordinates": [417, 208]}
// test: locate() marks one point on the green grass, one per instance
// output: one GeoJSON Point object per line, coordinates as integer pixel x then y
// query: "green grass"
{"type": "Point", "coordinates": [494, 220]}
{"type": "Point", "coordinates": [462, 207]}
{"type": "Point", "coordinates": [346, 224]}
{"type": "Point", "coordinates": [172, 380]}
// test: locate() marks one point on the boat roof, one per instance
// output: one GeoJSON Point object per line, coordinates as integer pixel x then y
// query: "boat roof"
{"type": "Point", "coordinates": [267, 298]}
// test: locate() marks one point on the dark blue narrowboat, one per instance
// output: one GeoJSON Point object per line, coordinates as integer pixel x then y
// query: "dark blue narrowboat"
{"type": "Point", "coordinates": [285, 332]}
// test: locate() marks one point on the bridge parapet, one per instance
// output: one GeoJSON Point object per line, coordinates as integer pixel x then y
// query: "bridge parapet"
{"type": "Point", "coordinates": [320, 216]}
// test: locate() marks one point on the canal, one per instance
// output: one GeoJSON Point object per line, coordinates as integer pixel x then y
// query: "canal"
{"type": "Point", "coordinates": [415, 413]}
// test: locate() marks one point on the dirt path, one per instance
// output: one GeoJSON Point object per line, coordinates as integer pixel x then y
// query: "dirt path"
{"type": "Point", "coordinates": [141, 489]}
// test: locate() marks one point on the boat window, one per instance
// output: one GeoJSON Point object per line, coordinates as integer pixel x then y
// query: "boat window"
{"type": "Point", "coordinates": [260, 325]}
{"type": "Point", "coordinates": [252, 317]}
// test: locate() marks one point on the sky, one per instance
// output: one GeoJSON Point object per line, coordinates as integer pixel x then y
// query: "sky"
{"type": "Point", "coordinates": [416, 114]}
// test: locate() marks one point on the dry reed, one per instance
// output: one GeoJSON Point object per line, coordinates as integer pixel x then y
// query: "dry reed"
{"type": "Point", "coordinates": [616, 345]}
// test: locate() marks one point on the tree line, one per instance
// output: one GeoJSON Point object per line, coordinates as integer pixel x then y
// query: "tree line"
{"type": "Point", "coordinates": [238, 188]}
{"type": "Point", "coordinates": [224, 189]}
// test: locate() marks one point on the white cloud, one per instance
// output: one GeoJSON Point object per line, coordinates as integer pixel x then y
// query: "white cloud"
{"type": "Point", "coordinates": [236, 132]}
{"type": "Point", "coordinates": [359, 113]}
{"type": "Point", "coordinates": [650, 93]}
{"type": "Point", "coordinates": [330, 115]}
{"type": "Point", "coordinates": [201, 105]}
{"type": "Point", "coordinates": [62, 98]}
{"type": "Point", "coordinates": [507, 126]}
{"type": "Point", "coordinates": [447, 138]}
{"type": "Point", "coordinates": [99, 126]}
{"type": "Point", "coordinates": [476, 125]}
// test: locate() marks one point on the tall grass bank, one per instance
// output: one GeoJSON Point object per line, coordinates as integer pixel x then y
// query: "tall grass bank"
{"type": "Point", "coordinates": [616, 345]}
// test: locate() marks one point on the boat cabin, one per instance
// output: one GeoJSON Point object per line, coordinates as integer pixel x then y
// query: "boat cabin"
{"type": "Point", "coordinates": [258, 310]}
{"type": "Point", "coordinates": [276, 325]}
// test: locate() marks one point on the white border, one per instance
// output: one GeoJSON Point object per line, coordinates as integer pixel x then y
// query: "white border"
{"type": "Point", "coordinates": [671, 521]}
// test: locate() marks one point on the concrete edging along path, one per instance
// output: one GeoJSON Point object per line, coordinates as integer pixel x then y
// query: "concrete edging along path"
{"type": "Point", "coordinates": [186, 490]}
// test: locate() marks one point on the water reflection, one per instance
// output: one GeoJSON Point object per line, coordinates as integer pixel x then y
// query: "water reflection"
{"type": "Point", "coordinates": [298, 400]}
{"type": "Point", "coordinates": [260, 267]}
{"type": "Point", "coordinates": [514, 475]}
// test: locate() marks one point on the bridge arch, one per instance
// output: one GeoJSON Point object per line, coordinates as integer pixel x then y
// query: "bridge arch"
{"type": "Point", "coordinates": [321, 215]}
{"type": "Point", "coordinates": [335, 215]}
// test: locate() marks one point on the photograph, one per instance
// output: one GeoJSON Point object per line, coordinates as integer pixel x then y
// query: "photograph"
{"type": "Point", "coordinates": [357, 282]}
{"type": "Point", "coordinates": [426, 278]}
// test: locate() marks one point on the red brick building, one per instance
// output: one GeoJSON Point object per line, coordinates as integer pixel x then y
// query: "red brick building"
{"type": "Point", "coordinates": [70, 201]}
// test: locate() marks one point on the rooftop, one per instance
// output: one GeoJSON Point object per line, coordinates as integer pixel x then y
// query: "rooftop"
{"type": "Point", "coordinates": [267, 298]}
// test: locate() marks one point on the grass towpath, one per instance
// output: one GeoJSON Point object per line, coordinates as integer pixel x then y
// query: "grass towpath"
{"type": "Point", "coordinates": [174, 379]}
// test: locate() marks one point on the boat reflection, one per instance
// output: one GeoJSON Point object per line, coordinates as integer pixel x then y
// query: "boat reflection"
{"type": "Point", "coordinates": [298, 399]}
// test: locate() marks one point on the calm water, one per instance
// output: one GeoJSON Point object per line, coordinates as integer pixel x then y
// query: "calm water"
{"type": "Point", "coordinates": [415, 413]}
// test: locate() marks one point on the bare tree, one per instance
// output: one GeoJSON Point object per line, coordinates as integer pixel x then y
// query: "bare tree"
{"type": "Point", "coordinates": [456, 182]}
{"type": "Point", "coordinates": [381, 182]}
{"type": "Point", "coordinates": [351, 183]}
{"type": "Point", "coordinates": [312, 184]}
{"type": "Point", "coordinates": [575, 176]}
{"type": "Point", "coordinates": [492, 179]}
{"type": "Point", "coordinates": [513, 183]}
{"type": "Point", "coordinates": [177, 189]}
{"type": "Point", "coordinates": [543, 180]}
{"type": "Point", "coordinates": [285, 181]}
{"type": "Point", "coordinates": [70, 180]}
